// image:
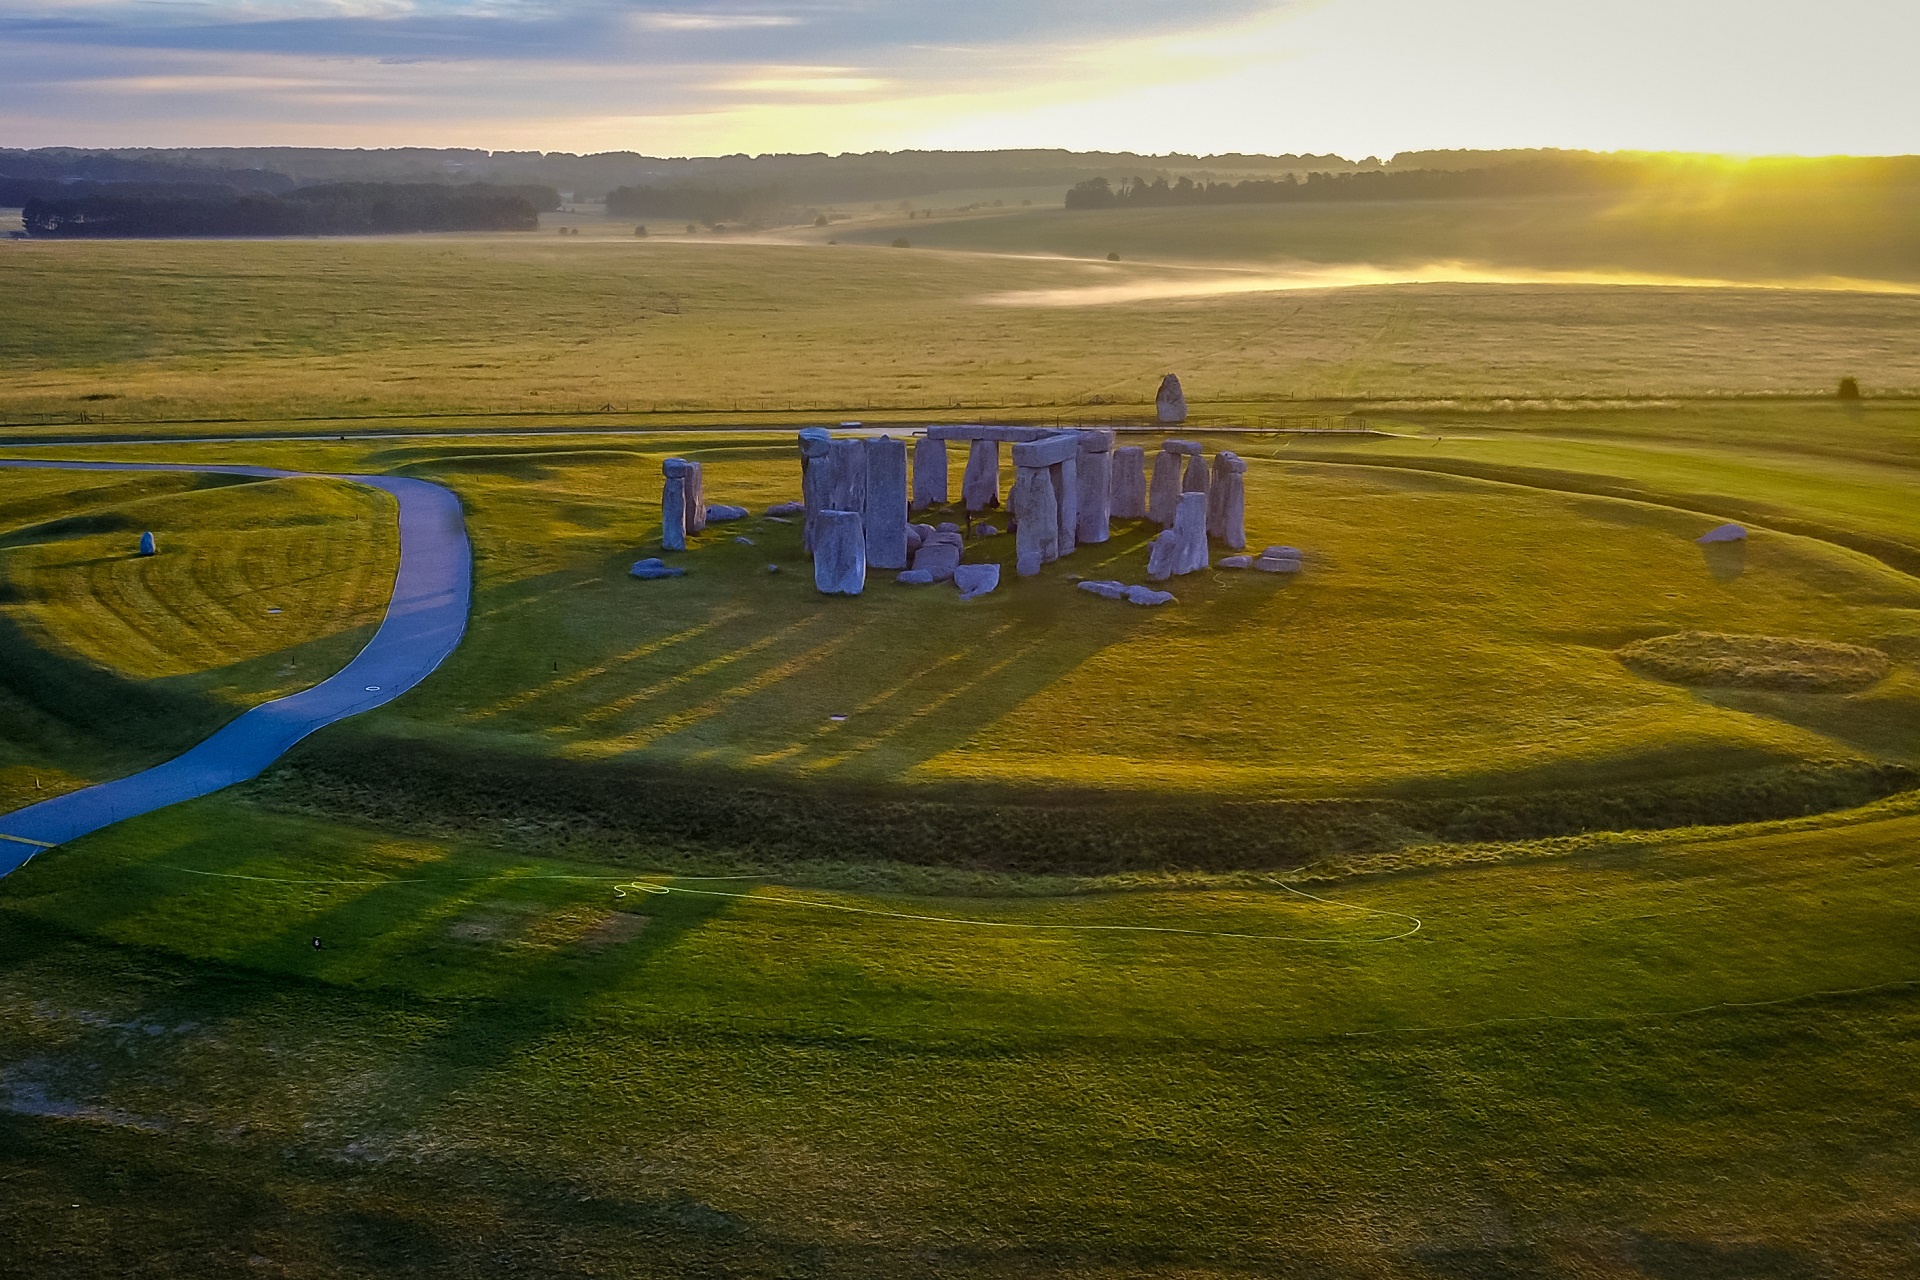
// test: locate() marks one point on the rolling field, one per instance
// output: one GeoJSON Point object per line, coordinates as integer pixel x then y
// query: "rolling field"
{"type": "Point", "coordinates": [373, 329]}
{"type": "Point", "coordinates": [1394, 920]}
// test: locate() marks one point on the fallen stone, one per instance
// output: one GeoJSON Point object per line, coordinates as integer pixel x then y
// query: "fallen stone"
{"type": "Point", "coordinates": [779, 509]}
{"type": "Point", "coordinates": [654, 567]}
{"type": "Point", "coordinates": [1723, 533]}
{"type": "Point", "coordinates": [976, 579]}
{"type": "Point", "coordinates": [1235, 562]}
{"type": "Point", "coordinates": [1111, 590]}
{"type": "Point", "coordinates": [743, 540]}
{"type": "Point", "coordinates": [914, 538]}
{"type": "Point", "coordinates": [986, 531]}
{"type": "Point", "coordinates": [840, 554]}
{"type": "Point", "coordinates": [1272, 564]}
{"type": "Point", "coordinates": [1147, 595]}
{"type": "Point", "coordinates": [1281, 553]}
{"type": "Point", "coordinates": [779, 519]}
{"type": "Point", "coordinates": [946, 526]}
{"type": "Point", "coordinates": [720, 513]}
{"type": "Point", "coordinates": [939, 555]}
{"type": "Point", "coordinates": [914, 578]}
{"type": "Point", "coordinates": [773, 568]}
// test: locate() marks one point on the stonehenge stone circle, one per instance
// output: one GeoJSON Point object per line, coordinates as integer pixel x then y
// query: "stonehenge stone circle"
{"type": "Point", "coordinates": [673, 504]}
{"type": "Point", "coordinates": [840, 558]}
{"type": "Point", "coordinates": [929, 473]}
{"type": "Point", "coordinates": [1129, 495]}
{"type": "Point", "coordinates": [1171, 402]}
{"type": "Point", "coordinates": [980, 484]}
{"type": "Point", "coordinates": [886, 502]}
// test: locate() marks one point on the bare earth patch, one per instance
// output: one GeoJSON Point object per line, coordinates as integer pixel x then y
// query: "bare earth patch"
{"type": "Point", "coordinates": [1718, 660]}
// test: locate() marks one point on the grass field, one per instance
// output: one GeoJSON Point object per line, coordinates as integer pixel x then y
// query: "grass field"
{"type": "Point", "coordinates": [303, 329]}
{"type": "Point", "coordinates": [1380, 922]}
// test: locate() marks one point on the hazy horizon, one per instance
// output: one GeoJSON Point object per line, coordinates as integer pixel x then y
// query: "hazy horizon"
{"type": "Point", "coordinates": [1347, 77]}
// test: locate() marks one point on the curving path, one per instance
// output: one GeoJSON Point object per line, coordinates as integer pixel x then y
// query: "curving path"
{"type": "Point", "coordinates": [425, 619]}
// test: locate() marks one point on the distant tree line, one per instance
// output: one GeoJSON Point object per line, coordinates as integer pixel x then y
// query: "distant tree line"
{"type": "Point", "coordinates": [709, 205]}
{"type": "Point", "coordinates": [1562, 174]}
{"type": "Point", "coordinates": [338, 209]}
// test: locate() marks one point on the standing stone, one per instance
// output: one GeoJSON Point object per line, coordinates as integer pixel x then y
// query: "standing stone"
{"type": "Point", "coordinates": [1227, 501]}
{"type": "Point", "coordinates": [1162, 555]}
{"type": "Point", "coordinates": [1066, 502]}
{"type": "Point", "coordinates": [1165, 494]}
{"type": "Point", "coordinates": [673, 504]}
{"type": "Point", "coordinates": [976, 579]}
{"type": "Point", "coordinates": [1190, 533]}
{"type": "Point", "coordinates": [1129, 483]}
{"type": "Point", "coordinates": [815, 444]}
{"type": "Point", "coordinates": [1035, 510]}
{"type": "Point", "coordinates": [1096, 495]}
{"type": "Point", "coordinates": [886, 509]}
{"type": "Point", "coordinates": [980, 483]}
{"type": "Point", "coordinates": [929, 473]}
{"type": "Point", "coordinates": [1171, 403]}
{"type": "Point", "coordinates": [696, 499]}
{"type": "Point", "coordinates": [840, 561]}
{"type": "Point", "coordinates": [149, 547]}
{"type": "Point", "coordinates": [847, 476]}
{"type": "Point", "coordinates": [1196, 478]}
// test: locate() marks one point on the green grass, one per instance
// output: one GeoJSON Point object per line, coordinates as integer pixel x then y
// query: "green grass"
{"type": "Point", "coordinates": [137, 332]}
{"type": "Point", "coordinates": [1641, 1048]}
{"type": "Point", "coordinates": [1603, 1064]}
{"type": "Point", "coordinates": [110, 661]}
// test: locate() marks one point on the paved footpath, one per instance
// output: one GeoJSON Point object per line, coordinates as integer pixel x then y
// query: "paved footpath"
{"type": "Point", "coordinates": [425, 619]}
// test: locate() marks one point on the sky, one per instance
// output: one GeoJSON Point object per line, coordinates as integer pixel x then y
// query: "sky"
{"type": "Point", "coordinates": [707, 77]}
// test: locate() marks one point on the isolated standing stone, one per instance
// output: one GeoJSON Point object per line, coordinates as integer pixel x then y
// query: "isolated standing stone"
{"type": "Point", "coordinates": [929, 473]}
{"type": "Point", "coordinates": [840, 559]}
{"type": "Point", "coordinates": [1036, 511]}
{"type": "Point", "coordinates": [1129, 483]}
{"type": "Point", "coordinates": [847, 476]}
{"type": "Point", "coordinates": [976, 579]}
{"type": "Point", "coordinates": [1165, 494]}
{"type": "Point", "coordinates": [1227, 501]}
{"type": "Point", "coordinates": [815, 444]}
{"type": "Point", "coordinates": [149, 547]}
{"type": "Point", "coordinates": [673, 504]}
{"type": "Point", "coordinates": [1171, 403]}
{"type": "Point", "coordinates": [886, 509]}
{"type": "Point", "coordinates": [980, 484]}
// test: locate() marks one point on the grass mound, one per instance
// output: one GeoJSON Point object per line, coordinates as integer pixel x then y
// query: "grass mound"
{"type": "Point", "coordinates": [1718, 660]}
